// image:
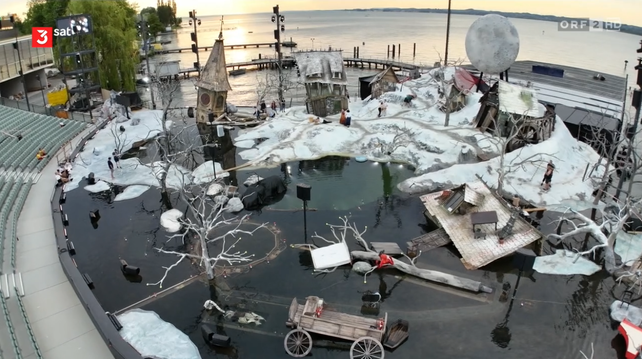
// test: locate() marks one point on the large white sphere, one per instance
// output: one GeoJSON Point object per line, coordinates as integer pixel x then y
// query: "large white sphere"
{"type": "Point", "coordinates": [492, 44]}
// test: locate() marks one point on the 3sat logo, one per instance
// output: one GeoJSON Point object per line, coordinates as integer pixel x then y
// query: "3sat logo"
{"type": "Point", "coordinates": [42, 37]}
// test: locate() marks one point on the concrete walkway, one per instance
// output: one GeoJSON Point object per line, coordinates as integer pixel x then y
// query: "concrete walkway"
{"type": "Point", "coordinates": [62, 327]}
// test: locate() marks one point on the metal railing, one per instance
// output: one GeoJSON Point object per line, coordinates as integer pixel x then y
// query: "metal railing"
{"type": "Point", "coordinates": [12, 332]}
{"type": "Point", "coordinates": [36, 348]}
{"type": "Point", "coordinates": [17, 209]}
{"type": "Point", "coordinates": [21, 105]}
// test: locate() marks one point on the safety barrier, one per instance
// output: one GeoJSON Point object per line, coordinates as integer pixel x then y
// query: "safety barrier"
{"type": "Point", "coordinates": [36, 348]}
{"type": "Point", "coordinates": [77, 116]}
{"type": "Point", "coordinates": [12, 332]}
{"type": "Point", "coordinates": [117, 345]}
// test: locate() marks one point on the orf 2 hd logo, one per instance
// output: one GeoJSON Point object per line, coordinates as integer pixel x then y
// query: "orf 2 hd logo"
{"type": "Point", "coordinates": [42, 37]}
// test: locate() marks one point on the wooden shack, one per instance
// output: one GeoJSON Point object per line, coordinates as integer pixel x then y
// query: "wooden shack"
{"type": "Point", "coordinates": [377, 85]}
{"type": "Point", "coordinates": [325, 80]}
{"type": "Point", "coordinates": [507, 108]}
{"type": "Point", "coordinates": [453, 97]}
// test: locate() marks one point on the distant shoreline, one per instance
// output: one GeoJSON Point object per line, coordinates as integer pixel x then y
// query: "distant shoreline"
{"type": "Point", "coordinates": [627, 29]}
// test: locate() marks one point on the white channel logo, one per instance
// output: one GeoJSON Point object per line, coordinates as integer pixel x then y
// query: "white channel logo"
{"type": "Point", "coordinates": [43, 37]}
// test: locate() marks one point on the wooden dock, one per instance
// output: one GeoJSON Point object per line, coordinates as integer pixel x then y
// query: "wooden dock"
{"type": "Point", "coordinates": [271, 63]}
{"type": "Point", "coordinates": [208, 48]}
{"type": "Point", "coordinates": [429, 241]}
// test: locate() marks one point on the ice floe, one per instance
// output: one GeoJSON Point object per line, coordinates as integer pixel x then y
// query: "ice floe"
{"type": "Point", "coordinates": [131, 192]}
{"type": "Point", "coordinates": [565, 262]}
{"type": "Point", "coordinates": [153, 337]}
{"type": "Point", "coordinates": [100, 186]}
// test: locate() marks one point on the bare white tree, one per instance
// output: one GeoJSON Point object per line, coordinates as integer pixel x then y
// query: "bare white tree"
{"type": "Point", "coordinates": [445, 85]}
{"type": "Point", "coordinates": [403, 137]}
{"type": "Point", "coordinates": [516, 137]}
{"type": "Point", "coordinates": [204, 223]}
{"type": "Point", "coordinates": [592, 353]}
{"type": "Point", "coordinates": [268, 82]}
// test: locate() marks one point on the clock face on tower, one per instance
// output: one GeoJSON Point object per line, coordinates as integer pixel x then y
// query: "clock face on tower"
{"type": "Point", "coordinates": [205, 99]}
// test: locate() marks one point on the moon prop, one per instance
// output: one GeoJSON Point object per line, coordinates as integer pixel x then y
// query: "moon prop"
{"type": "Point", "coordinates": [492, 44]}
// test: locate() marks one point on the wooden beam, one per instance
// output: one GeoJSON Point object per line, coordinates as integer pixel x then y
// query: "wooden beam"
{"type": "Point", "coordinates": [538, 209]}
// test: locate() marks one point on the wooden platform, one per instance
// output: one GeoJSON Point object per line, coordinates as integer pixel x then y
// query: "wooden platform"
{"type": "Point", "coordinates": [389, 248]}
{"type": "Point", "coordinates": [429, 241]}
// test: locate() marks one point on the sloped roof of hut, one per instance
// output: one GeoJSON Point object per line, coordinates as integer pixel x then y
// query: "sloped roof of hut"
{"type": "Point", "coordinates": [380, 75]}
{"type": "Point", "coordinates": [319, 66]}
{"type": "Point", "coordinates": [464, 80]}
{"type": "Point", "coordinates": [519, 100]}
{"type": "Point", "coordinates": [214, 73]}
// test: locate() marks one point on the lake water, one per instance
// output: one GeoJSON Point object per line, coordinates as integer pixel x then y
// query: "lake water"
{"type": "Point", "coordinates": [604, 52]}
{"type": "Point", "coordinates": [551, 317]}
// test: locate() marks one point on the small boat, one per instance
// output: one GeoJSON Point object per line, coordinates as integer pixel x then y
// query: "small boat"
{"type": "Point", "coordinates": [237, 72]}
{"type": "Point", "coordinates": [396, 334]}
{"type": "Point", "coordinates": [250, 32]}
{"type": "Point", "coordinates": [289, 44]}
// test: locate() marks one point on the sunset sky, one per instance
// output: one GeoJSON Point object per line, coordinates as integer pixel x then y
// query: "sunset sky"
{"type": "Point", "coordinates": [628, 11]}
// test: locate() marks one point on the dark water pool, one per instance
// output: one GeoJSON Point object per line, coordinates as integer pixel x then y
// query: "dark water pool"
{"type": "Point", "coordinates": [551, 317]}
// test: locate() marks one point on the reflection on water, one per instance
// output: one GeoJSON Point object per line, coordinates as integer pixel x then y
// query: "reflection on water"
{"type": "Point", "coordinates": [552, 316]}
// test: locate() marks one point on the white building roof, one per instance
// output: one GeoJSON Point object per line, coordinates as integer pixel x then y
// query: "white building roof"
{"type": "Point", "coordinates": [323, 63]}
{"type": "Point", "coordinates": [519, 100]}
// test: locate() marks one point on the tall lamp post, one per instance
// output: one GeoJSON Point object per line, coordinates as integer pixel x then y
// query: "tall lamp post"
{"type": "Point", "coordinates": [447, 34]}
{"type": "Point", "coordinates": [16, 46]}
{"type": "Point", "coordinates": [303, 192]}
{"type": "Point", "coordinates": [194, 36]}
{"type": "Point", "coordinates": [144, 31]}
{"type": "Point", "coordinates": [278, 19]}
{"type": "Point", "coordinates": [636, 102]}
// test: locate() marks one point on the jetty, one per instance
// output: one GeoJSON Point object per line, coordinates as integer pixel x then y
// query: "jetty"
{"type": "Point", "coordinates": [232, 47]}
{"type": "Point", "coordinates": [288, 62]}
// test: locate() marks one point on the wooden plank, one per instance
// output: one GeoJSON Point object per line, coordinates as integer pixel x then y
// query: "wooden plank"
{"type": "Point", "coordinates": [538, 209]}
{"type": "Point", "coordinates": [429, 241]}
{"type": "Point", "coordinates": [294, 307]}
{"type": "Point", "coordinates": [389, 248]}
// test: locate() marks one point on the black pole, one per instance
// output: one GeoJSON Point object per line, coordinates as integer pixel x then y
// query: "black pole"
{"type": "Point", "coordinates": [22, 75]}
{"type": "Point", "coordinates": [305, 220]}
{"type": "Point", "coordinates": [198, 60]}
{"type": "Point", "coordinates": [447, 35]}
{"type": "Point", "coordinates": [519, 276]}
{"type": "Point", "coordinates": [636, 120]}
{"type": "Point", "coordinates": [42, 91]}
{"type": "Point", "coordinates": [414, 50]}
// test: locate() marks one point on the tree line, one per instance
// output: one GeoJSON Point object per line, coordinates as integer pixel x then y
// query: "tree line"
{"type": "Point", "coordinates": [115, 28]}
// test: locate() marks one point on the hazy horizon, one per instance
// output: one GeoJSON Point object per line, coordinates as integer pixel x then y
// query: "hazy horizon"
{"type": "Point", "coordinates": [615, 10]}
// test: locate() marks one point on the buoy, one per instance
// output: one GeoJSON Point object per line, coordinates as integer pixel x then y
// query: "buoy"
{"type": "Point", "coordinates": [361, 159]}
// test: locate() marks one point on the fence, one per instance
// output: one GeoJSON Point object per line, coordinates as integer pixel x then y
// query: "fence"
{"type": "Point", "coordinates": [21, 105]}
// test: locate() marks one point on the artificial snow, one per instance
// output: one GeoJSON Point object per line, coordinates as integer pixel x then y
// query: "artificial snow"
{"type": "Point", "coordinates": [245, 144]}
{"type": "Point", "coordinates": [100, 186]}
{"type": "Point", "coordinates": [215, 189]}
{"type": "Point", "coordinates": [98, 149]}
{"type": "Point", "coordinates": [565, 262]}
{"type": "Point", "coordinates": [416, 135]}
{"type": "Point", "coordinates": [131, 192]}
{"type": "Point", "coordinates": [170, 220]}
{"type": "Point", "coordinates": [205, 173]}
{"type": "Point", "coordinates": [628, 246]}
{"type": "Point", "coordinates": [620, 311]}
{"type": "Point", "coordinates": [153, 337]}
{"type": "Point", "coordinates": [252, 180]}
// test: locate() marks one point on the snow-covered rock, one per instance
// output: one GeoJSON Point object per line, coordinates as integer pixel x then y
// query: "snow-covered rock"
{"type": "Point", "coordinates": [131, 192]}
{"type": "Point", "coordinates": [252, 180]}
{"type": "Point", "coordinates": [565, 262]}
{"type": "Point", "coordinates": [215, 189]}
{"type": "Point", "coordinates": [153, 337]}
{"type": "Point", "coordinates": [234, 205]}
{"type": "Point", "coordinates": [170, 220]}
{"type": "Point", "coordinates": [221, 200]}
{"type": "Point", "coordinates": [442, 156]}
{"type": "Point", "coordinates": [361, 267]}
{"type": "Point", "coordinates": [100, 186]}
{"type": "Point", "coordinates": [205, 173]}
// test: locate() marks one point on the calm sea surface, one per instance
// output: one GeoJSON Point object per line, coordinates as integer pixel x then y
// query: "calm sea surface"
{"type": "Point", "coordinates": [604, 52]}
{"type": "Point", "coordinates": [551, 317]}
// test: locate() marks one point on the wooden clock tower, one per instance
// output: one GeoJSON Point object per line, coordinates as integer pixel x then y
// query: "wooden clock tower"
{"type": "Point", "coordinates": [213, 84]}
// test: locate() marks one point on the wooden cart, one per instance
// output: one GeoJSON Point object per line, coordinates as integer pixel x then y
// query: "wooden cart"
{"type": "Point", "coordinates": [365, 333]}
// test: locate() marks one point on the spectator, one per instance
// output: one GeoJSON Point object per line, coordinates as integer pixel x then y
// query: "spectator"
{"type": "Point", "coordinates": [111, 167]}
{"type": "Point", "coordinates": [283, 106]}
{"type": "Point", "coordinates": [116, 155]}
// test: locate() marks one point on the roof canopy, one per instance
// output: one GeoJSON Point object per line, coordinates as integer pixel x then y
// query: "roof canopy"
{"type": "Point", "coordinates": [214, 73]}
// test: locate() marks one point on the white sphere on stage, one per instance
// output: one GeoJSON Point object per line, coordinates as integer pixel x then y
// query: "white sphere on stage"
{"type": "Point", "coordinates": [492, 44]}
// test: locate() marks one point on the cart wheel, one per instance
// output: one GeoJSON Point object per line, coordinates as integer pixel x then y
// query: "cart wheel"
{"type": "Point", "coordinates": [366, 348]}
{"type": "Point", "coordinates": [298, 343]}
